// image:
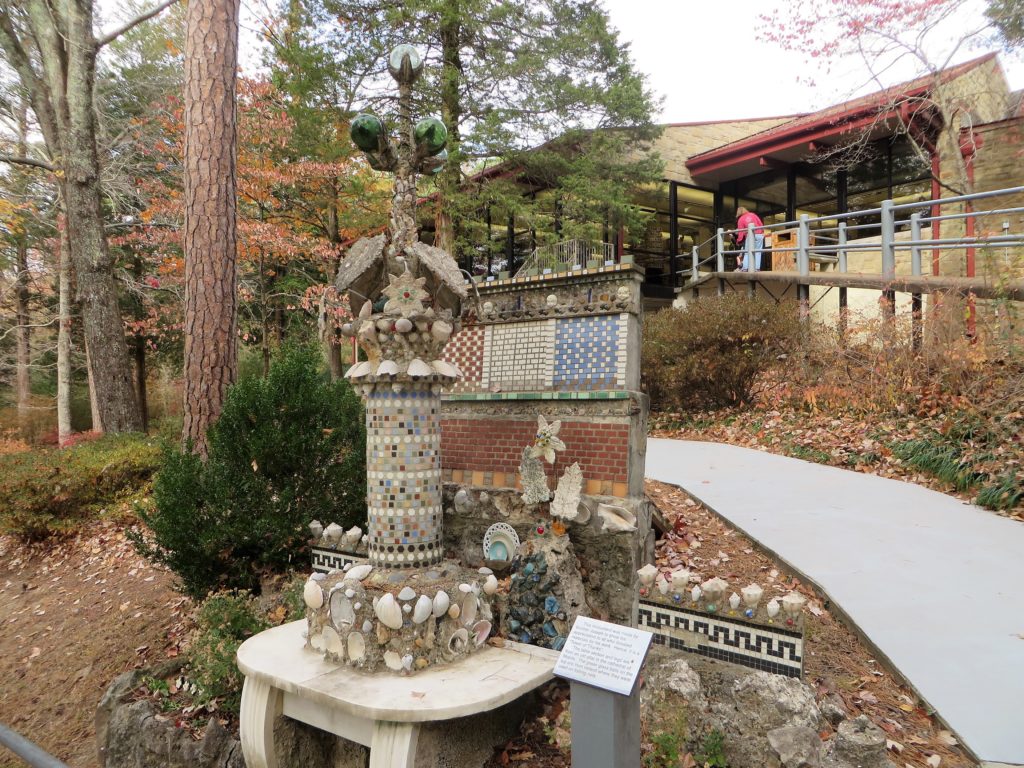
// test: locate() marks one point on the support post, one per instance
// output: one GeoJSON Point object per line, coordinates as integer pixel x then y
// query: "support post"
{"type": "Point", "coordinates": [673, 231]}
{"type": "Point", "coordinates": [843, 268]}
{"type": "Point", "coordinates": [915, 269]}
{"type": "Point", "coordinates": [888, 256]}
{"type": "Point", "coordinates": [694, 270]}
{"type": "Point", "coordinates": [605, 726]}
{"type": "Point", "coordinates": [720, 258]}
{"type": "Point", "coordinates": [748, 242]}
{"type": "Point", "coordinates": [803, 264]}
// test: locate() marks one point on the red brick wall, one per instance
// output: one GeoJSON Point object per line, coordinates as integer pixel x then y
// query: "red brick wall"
{"type": "Point", "coordinates": [495, 446]}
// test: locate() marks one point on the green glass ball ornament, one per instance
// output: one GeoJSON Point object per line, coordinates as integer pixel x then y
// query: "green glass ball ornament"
{"type": "Point", "coordinates": [440, 159]}
{"type": "Point", "coordinates": [366, 131]}
{"type": "Point", "coordinates": [404, 63]}
{"type": "Point", "coordinates": [431, 134]}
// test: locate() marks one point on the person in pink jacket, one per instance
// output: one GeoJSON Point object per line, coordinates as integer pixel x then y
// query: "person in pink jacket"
{"type": "Point", "coordinates": [745, 219]}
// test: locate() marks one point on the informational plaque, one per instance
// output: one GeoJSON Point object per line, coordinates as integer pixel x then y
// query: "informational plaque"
{"type": "Point", "coordinates": [603, 655]}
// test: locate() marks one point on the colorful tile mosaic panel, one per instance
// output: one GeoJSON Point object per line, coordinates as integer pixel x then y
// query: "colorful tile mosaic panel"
{"type": "Point", "coordinates": [590, 352]}
{"type": "Point", "coordinates": [403, 442]}
{"type": "Point", "coordinates": [466, 350]}
{"type": "Point", "coordinates": [779, 651]}
{"type": "Point", "coordinates": [519, 355]}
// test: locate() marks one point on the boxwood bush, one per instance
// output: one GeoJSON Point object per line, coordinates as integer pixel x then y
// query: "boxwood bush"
{"type": "Point", "coordinates": [287, 449]}
{"type": "Point", "coordinates": [47, 491]}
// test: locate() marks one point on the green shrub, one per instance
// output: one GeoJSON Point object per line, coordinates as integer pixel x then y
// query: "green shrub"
{"type": "Point", "coordinates": [46, 491]}
{"type": "Point", "coordinates": [710, 353]}
{"type": "Point", "coordinates": [287, 449]}
{"type": "Point", "coordinates": [224, 621]}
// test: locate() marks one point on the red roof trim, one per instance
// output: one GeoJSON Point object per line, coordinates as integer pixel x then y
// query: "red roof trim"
{"type": "Point", "coordinates": [824, 123]}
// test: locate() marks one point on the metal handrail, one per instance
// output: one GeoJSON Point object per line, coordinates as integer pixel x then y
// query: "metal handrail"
{"type": "Point", "coordinates": [573, 253]}
{"type": "Point", "coordinates": [28, 751]}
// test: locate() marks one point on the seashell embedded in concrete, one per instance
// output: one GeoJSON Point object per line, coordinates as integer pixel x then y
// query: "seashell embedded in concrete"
{"type": "Point", "coordinates": [367, 625]}
{"type": "Point", "coordinates": [316, 642]}
{"type": "Point", "coordinates": [445, 368]}
{"type": "Point", "coordinates": [316, 528]}
{"type": "Point", "coordinates": [357, 371]}
{"type": "Point", "coordinates": [389, 612]}
{"type": "Point", "coordinates": [356, 646]}
{"type": "Point", "coordinates": [773, 608]}
{"type": "Point", "coordinates": [751, 595]}
{"type": "Point", "coordinates": [393, 661]}
{"type": "Point", "coordinates": [680, 580]}
{"type": "Point", "coordinates": [454, 611]}
{"type": "Point", "coordinates": [313, 595]}
{"type": "Point", "coordinates": [407, 593]}
{"type": "Point", "coordinates": [358, 572]}
{"type": "Point", "coordinates": [481, 631]}
{"type": "Point", "coordinates": [441, 330]}
{"type": "Point", "coordinates": [662, 584]}
{"type": "Point", "coordinates": [441, 603]}
{"type": "Point", "coordinates": [334, 532]}
{"type": "Point", "coordinates": [616, 519]}
{"type": "Point", "coordinates": [469, 606]}
{"type": "Point", "coordinates": [366, 310]}
{"type": "Point", "coordinates": [387, 368]}
{"type": "Point", "coordinates": [403, 325]}
{"type": "Point", "coordinates": [714, 589]}
{"type": "Point", "coordinates": [343, 615]}
{"type": "Point", "coordinates": [647, 574]}
{"type": "Point", "coordinates": [332, 642]}
{"type": "Point", "coordinates": [792, 603]}
{"type": "Point", "coordinates": [459, 640]}
{"type": "Point", "coordinates": [419, 369]}
{"type": "Point", "coordinates": [734, 601]}
{"type": "Point", "coordinates": [490, 584]}
{"type": "Point", "coordinates": [465, 589]}
{"type": "Point", "coordinates": [423, 610]}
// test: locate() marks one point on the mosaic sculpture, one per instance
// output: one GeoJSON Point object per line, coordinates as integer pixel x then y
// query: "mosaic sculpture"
{"type": "Point", "coordinates": [403, 609]}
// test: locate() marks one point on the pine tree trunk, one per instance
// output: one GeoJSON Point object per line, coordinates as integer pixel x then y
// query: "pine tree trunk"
{"type": "Point", "coordinates": [211, 54]}
{"type": "Point", "coordinates": [64, 339]}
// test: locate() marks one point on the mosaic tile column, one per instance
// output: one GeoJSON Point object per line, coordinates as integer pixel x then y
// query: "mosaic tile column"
{"type": "Point", "coordinates": [403, 456]}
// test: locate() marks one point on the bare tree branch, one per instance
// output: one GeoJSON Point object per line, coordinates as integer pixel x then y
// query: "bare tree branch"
{"type": "Point", "coordinates": [28, 161]}
{"type": "Point", "coordinates": [131, 24]}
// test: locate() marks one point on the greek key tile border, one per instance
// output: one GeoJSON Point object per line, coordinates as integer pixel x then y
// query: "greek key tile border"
{"type": "Point", "coordinates": [778, 651]}
{"type": "Point", "coordinates": [327, 560]}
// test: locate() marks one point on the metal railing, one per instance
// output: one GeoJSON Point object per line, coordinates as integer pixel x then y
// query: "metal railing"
{"type": "Point", "coordinates": [573, 254]}
{"type": "Point", "coordinates": [27, 751]}
{"type": "Point", "coordinates": [832, 238]}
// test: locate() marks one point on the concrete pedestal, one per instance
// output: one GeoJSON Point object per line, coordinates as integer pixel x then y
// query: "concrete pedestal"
{"type": "Point", "coordinates": [605, 727]}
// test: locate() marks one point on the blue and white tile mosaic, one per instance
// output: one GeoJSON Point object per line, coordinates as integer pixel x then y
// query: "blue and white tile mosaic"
{"type": "Point", "coordinates": [590, 352]}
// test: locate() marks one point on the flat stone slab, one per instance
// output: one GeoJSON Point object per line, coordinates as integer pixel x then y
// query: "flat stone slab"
{"type": "Point", "coordinates": [935, 583]}
{"type": "Point", "coordinates": [480, 682]}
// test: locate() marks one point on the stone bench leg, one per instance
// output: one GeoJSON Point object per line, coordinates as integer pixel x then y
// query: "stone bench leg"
{"type": "Point", "coordinates": [394, 745]}
{"type": "Point", "coordinates": [261, 706]}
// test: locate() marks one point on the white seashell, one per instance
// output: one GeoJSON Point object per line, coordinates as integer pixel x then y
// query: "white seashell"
{"type": "Point", "coordinates": [418, 368]}
{"type": "Point", "coordinates": [647, 574]}
{"type": "Point", "coordinates": [423, 610]}
{"type": "Point", "coordinates": [342, 613]}
{"type": "Point", "coordinates": [454, 611]}
{"type": "Point", "coordinates": [458, 641]}
{"type": "Point", "coordinates": [318, 576]}
{"type": "Point", "coordinates": [387, 368]}
{"type": "Point", "coordinates": [407, 662]}
{"type": "Point", "coordinates": [367, 626]}
{"type": "Point", "coordinates": [346, 568]}
{"type": "Point", "coordinates": [461, 500]}
{"type": "Point", "coordinates": [583, 513]}
{"type": "Point", "coordinates": [680, 580]}
{"type": "Point", "coordinates": [393, 661]}
{"type": "Point", "coordinates": [714, 589]}
{"type": "Point", "coordinates": [316, 642]}
{"type": "Point", "coordinates": [352, 535]}
{"type": "Point", "coordinates": [792, 603]}
{"type": "Point", "coordinates": [357, 371]}
{"type": "Point", "coordinates": [481, 631]}
{"type": "Point", "coordinates": [313, 595]}
{"type": "Point", "coordinates": [366, 310]}
{"type": "Point", "coordinates": [441, 330]}
{"type": "Point", "coordinates": [662, 585]}
{"type": "Point", "coordinates": [441, 602]}
{"type": "Point", "coordinates": [316, 528]}
{"type": "Point", "coordinates": [465, 589]}
{"type": "Point", "coordinates": [358, 572]}
{"type": "Point", "coordinates": [616, 519]}
{"type": "Point", "coordinates": [403, 325]}
{"type": "Point", "coordinates": [334, 532]}
{"type": "Point", "coordinates": [383, 324]}
{"type": "Point", "coordinates": [469, 609]}
{"type": "Point", "coordinates": [356, 646]}
{"type": "Point", "coordinates": [751, 595]}
{"type": "Point", "coordinates": [734, 601]}
{"type": "Point", "coordinates": [484, 571]}
{"type": "Point", "coordinates": [406, 608]}
{"type": "Point", "coordinates": [484, 497]}
{"type": "Point", "coordinates": [695, 594]}
{"type": "Point", "coordinates": [490, 584]}
{"type": "Point", "coordinates": [389, 612]}
{"type": "Point", "coordinates": [445, 368]}
{"type": "Point", "coordinates": [350, 593]}
{"type": "Point", "coordinates": [407, 593]}
{"type": "Point", "coordinates": [332, 642]}
{"type": "Point", "coordinates": [357, 606]}
{"type": "Point", "coordinates": [773, 608]}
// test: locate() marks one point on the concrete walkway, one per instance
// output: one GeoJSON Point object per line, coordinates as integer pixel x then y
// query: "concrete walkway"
{"type": "Point", "coordinates": [936, 584]}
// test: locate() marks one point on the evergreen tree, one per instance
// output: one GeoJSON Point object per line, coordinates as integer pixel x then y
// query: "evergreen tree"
{"type": "Point", "coordinates": [507, 76]}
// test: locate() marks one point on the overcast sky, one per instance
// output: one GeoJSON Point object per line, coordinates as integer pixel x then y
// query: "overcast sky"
{"type": "Point", "coordinates": [709, 61]}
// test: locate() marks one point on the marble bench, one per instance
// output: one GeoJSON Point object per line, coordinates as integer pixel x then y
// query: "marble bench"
{"type": "Point", "coordinates": [383, 711]}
